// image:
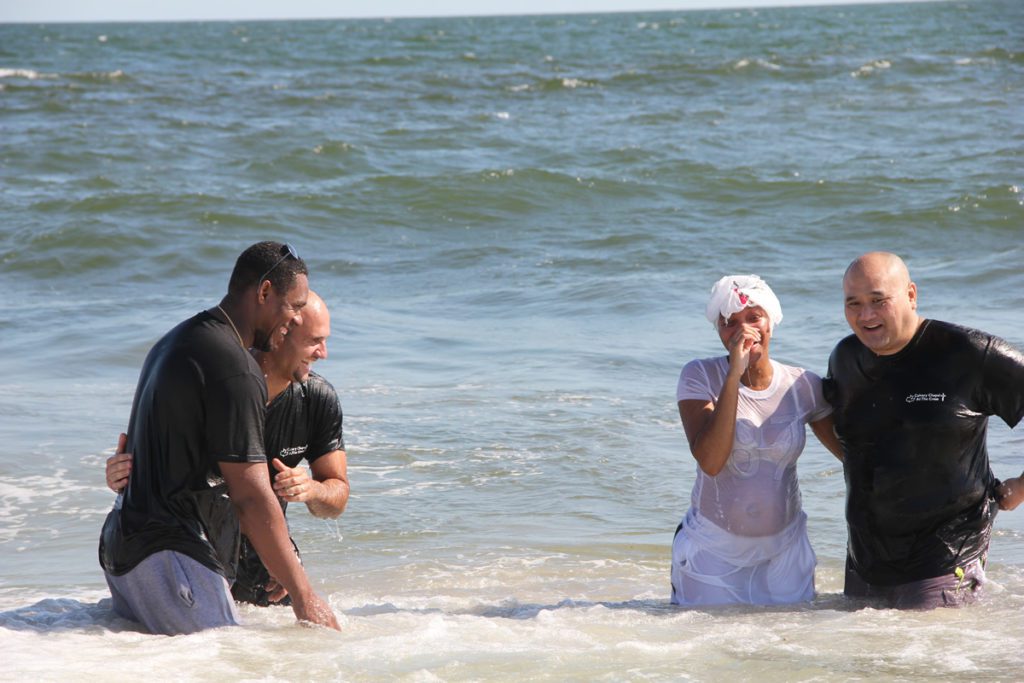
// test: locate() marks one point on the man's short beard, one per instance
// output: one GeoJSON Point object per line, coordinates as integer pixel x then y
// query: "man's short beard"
{"type": "Point", "coordinates": [261, 341]}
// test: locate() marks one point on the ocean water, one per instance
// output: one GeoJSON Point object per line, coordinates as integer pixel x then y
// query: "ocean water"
{"type": "Point", "coordinates": [515, 222]}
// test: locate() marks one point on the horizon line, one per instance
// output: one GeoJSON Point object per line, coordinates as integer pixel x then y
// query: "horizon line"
{"type": "Point", "coordinates": [703, 6]}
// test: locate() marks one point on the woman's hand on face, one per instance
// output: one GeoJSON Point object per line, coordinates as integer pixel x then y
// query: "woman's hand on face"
{"type": "Point", "coordinates": [740, 345]}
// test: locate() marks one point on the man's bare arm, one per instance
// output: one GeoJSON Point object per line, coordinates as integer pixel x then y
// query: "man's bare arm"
{"type": "Point", "coordinates": [325, 493]}
{"type": "Point", "coordinates": [263, 524]}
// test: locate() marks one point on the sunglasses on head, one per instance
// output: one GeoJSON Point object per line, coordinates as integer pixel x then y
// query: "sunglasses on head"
{"type": "Point", "coordinates": [287, 251]}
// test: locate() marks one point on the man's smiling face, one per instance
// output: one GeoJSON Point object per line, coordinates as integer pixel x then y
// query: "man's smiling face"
{"type": "Point", "coordinates": [880, 303]}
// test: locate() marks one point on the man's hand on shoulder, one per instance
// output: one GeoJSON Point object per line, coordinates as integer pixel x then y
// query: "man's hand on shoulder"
{"type": "Point", "coordinates": [119, 466]}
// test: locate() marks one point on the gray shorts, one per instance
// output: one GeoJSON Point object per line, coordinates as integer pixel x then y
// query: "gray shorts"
{"type": "Point", "coordinates": [170, 593]}
{"type": "Point", "coordinates": [950, 590]}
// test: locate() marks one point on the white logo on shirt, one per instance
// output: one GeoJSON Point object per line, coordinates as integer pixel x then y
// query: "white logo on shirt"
{"type": "Point", "coordinates": [936, 398]}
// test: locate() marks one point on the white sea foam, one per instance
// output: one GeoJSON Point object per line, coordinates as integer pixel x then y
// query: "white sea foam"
{"type": "Point", "coordinates": [872, 67]}
{"type": "Point", "coordinates": [526, 619]}
{"type": "Point", "coordinates": [573, 83]}
{"type": "Point", "coordinates": [23, 73]}
{"type": "Point", "coordinates": [762, 63]}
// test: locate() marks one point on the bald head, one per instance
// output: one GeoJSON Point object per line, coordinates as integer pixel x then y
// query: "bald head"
{"type": "Point", "coordinates": [881, 302]}
{"type": "Point", "coordinates": [315, 312]}
{"type": "Point", "coordinates": [875, 262]}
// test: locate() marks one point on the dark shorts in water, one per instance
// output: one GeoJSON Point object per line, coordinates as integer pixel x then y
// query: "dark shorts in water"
{"type": "Point", "coordinates": [956, 589]}
{"type": "Point", "coordinates": [252, 577]}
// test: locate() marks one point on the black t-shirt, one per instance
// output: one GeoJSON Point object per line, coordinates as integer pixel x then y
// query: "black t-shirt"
{"type": "Point", "coordinates": [303, 421]}
{"type": "Point", "coordinates": [913, 429]}
{"type": "Point", "coordinates": [199, 401]}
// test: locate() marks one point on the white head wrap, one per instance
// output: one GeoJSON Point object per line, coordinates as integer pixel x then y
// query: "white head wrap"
{"type": "Point", "coordinates": [733, 293]}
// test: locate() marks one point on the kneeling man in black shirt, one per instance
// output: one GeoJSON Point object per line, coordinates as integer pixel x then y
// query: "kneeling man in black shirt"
{"type": "Point", "coordinates": [304, 422]}
{"type": "Point", "coordinates": [168, 547]}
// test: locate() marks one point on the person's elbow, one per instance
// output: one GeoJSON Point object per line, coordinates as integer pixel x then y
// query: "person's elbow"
{"type": "Point", "coordinates": [708, 463]}
{"type": "Point", "coordinates": [711, 470]}
{"type": "Point", "coordinates": [248, 487]}
{"type": "Point", "coordinates": [244, 502]}
{"type": "Point", "coordinates": [332, 506]}
{"type": "Point", "coordinates": [328, 512]}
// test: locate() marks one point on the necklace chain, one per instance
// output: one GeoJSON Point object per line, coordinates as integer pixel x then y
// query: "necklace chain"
{"type": "Point", "coordinates": [750, 382]}
{"type": "Point", "coordinates": [232, 323]}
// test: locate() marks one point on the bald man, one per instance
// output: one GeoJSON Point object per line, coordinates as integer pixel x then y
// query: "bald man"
{"type": "Point", "coordinates": [912, 397]}
{"type": "Point", "coordinates": [303, 422]}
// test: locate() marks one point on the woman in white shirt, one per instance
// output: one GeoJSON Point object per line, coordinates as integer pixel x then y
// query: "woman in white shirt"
{"type": "Point", "coordinates": [744, 538]}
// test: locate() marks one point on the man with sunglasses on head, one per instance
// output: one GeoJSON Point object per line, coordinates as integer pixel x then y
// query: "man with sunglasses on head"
{"type": "Point", "coordinates": [196, 431]}
{"type": "Point", "coordinates": [304, 421]}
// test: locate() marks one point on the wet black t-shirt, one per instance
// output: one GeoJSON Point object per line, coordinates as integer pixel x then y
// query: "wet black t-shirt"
{"type": "Point", "coordinates": [199, 401]}
{"type": "Point", "coordinates": [913, 429]}
{"type": "Point", "coordinates": [303, 421]}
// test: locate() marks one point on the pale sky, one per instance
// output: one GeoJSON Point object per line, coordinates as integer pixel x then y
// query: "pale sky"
{"type": "Point", "coordinates": [46, 11]}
